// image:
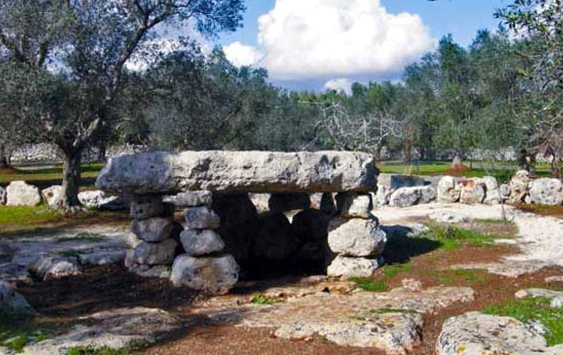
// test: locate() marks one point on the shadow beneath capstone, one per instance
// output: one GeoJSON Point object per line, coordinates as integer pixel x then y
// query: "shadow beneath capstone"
{"type": "Point", "coordinates": [401, 248]}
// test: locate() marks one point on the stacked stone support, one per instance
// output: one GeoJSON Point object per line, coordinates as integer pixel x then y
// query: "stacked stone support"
{"type": "Point", "coordinates": [355, 237]}
{"type": "Point", "coordinates": [152, 246]}
{"type": "Point", "coordinates": [204, 265]}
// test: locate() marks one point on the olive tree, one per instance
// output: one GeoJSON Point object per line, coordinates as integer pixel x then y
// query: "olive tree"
{"type": "Point", "coordinates": [85, 45]}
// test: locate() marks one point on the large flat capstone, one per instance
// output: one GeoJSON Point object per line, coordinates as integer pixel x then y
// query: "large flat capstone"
{"type": "Point", "coordinates": [227, 171]}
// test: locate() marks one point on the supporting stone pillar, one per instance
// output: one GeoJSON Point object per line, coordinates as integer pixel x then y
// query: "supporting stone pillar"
{"type": "Point", "coordinates": [204, 265]}
{"type": "Point", "coordinates": [152, 248]}
{"type": "Point", "coordinates": [355, 237]}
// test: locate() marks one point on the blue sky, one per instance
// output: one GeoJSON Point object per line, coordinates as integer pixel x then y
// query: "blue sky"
{"type": "Point", "coordinates": [283, 53]}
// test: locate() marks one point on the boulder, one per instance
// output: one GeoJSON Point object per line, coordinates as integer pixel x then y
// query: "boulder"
{"type": "Point", "coordinates": [410, 196]}
{"type": "Point", "coordinates": [211, 274]}
{"type": "Point", "coordinates": [249, 171]}
{"type": "Point", "coordinates": [201, 218]}
{"type": "Point", "coordinates": [448, 190]}
{"type": "Point", "coordinates": [519, 187]}
{"type": "Point", "coordinates": [478, 333]}
{"type": "Point", "coordinates": [352, 205]}
{"type": "Point", "coordinates": [54, 267]}
{"type": "Point", "coordinates": [51, 194]}
{"type": "Point", "coordinates": [357, 237]}
{"type": "Point", "coordinates": [327, 203]}
{"type": "Point", "coordinates": [353, 267]}
{"type": "Point", "coordinates": [201, 242]}
{"type": "Point", "coordinates": [102, 201]}
{"type": "Point", "coordinates": [190, 199]}
{"type": "Point", "coordinates": [504, 190]}
{"type": "Point", "coordinates": [155, 253]}
{"type": "Point", "coordinates": [238, 224]}
{"type": "Point", "coordinates": [102, 257]}
{"type": "Point", "coordinates": [492, 192]}
{"type": "Point", "coordinates": [396, 181]}
{"type": "Point", "coordinates": [21, 194]}
{"type": "Point", "coordinates": [472, 192]}
{"type": "Point", "coordinates": [381, 198]}
{"type": "Point", "coordinates": [2, 196]}
{"type": "Point", "coordinates": [283, 202]}
{"type": "Point", "coordinates": [155, 229]}
{"type": "Point", "coordinates": [146, 206]}
{"type": "Point", "coordinates": [11, 302]}
{"type": "Point", "coordinates": [275, 239]}
{"type": "Point", "coordinates": [546, 192]}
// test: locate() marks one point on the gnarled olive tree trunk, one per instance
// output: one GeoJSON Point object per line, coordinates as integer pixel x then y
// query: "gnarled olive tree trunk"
{"type": "Point", "coordinates": [68, 202]}
{"type": "Point", "coordinates": [4, 164]}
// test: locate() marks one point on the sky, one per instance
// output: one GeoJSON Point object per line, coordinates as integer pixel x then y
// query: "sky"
{"type": "Point", "coordinates": [320, 44]}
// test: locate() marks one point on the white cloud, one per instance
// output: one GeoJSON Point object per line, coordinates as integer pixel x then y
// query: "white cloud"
{"type": "Point", "coordinates": [338, 38]}
{"type": "Point", "coordinates": [242, 55]}
{"type": "Point", "coordinates": [339, 85]}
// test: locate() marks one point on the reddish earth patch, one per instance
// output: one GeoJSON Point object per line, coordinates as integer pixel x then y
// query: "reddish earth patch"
{"type": "Point", "coordinates": [553, 211]}
{"type": "Point", "coordinates": [458, 171]}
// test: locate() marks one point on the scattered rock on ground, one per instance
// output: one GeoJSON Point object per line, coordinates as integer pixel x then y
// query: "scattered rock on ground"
{"type": "Point", "coordinates": [115, 329]}
{"type": "Point", "coordinates": [546, 191]}
{"type": "Point", "coordinates": [19, 193]}
{"type": "Point", "coordinates": [478, 333]}
{"type": "Point", "coordinates": [356, 237]}
{"type": "Point", "coordinates": [538, 292]}
{"type": "Point", "coordinates": [102, 201]}
{"type": "Point", "coordinates": [54, 267]}
{"type": "Point", "coordinates": [12, 302]}
{"type": "Point", "coordinates": [211, 274]}
{"type": "Point", "coordinates": [51, 194]}
{"type": "Point", "coordinates": [410, 196]}
{"type": "Point", "coordinates": [101, 257]}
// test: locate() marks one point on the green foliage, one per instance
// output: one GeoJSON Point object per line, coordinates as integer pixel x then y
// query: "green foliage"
{"type": "Point", "coordinates": [20, 216]}
{"type": "Point", "coordinates": [461, 276]}
{"type": "Point", "coordinates": [533, 309]}
{"type": "Point", "coordinates": [393, 270]}
{"type": "Point", "coordinates": [370, 284]}
{"type": "Point", "coordinates": [261, 299]}
{"type": "Point", "coordinates": [453, 238]}
{"type": "Point", "coordinates": [17, 331]}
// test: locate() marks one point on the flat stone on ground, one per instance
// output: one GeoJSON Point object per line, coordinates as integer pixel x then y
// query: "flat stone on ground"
{"type": "Point", "coordinates": [211, 274]}
{"type": "Point", "coordinates": [53, 267]}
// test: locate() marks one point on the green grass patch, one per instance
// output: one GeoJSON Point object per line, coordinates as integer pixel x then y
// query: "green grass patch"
{"type": "Point", "coordinates": [16, 217]}
{"type": "Point", "coordinates": [394, 269]}
{"type": "Point", "coordinates": [263, 300]}
{"type": "Point", "coordinates": [453, 238]}
{"type": "Point", "coordinates": [45, 177]}
{"type": "Point", "coordinates": [370, 284]}
{"type": "Point", "coordinates": [17, 331]}
{"type": "Point", "coordinates": [461, 276]}
{"type": "Point", "coordinates": [533, 309]}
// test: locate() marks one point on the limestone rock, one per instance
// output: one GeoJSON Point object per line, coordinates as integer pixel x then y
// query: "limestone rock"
{"type": "Point", "coordinates": [554, 279]}
{"type": "Point", "coordinates": [155, 229]}
{"type": "Point", "coordinates": [504, 192]}
{"type": "Point", "coordinates": [2, 196]}
{"type": "Point", "coordinates": [282, 202]}
{"type": "Point", "coordinates": [151, 272]}
{"type": "Point", "coordinates": [201, 242]}
{"type": "Point", "coordinates": [538, 292]}
{"type": "Point", "coordinates": [472, 192]}
{"type": "Point", "coordinates": [410, 196]}
{"type": "Point", "coordinates": [102, 257]}
{"type": "Point", "coordinates": [210, 274]}
{"type": "Point", "coordinates": [353, 267]}
{"type": "Point", "coordinates": [250, 171]}
{"type": "Point", "coordinates": [352, 205]}
{"type": "Point", "coordinates": [275, 239]}
{"type": "Point", "coordinates": [448, 190]}
{"type": "Point", "coordinates": [13, 302]}
{"type": "Point", "coordinates": [238, 224]}
{"type": "Point", "coordinates": [155, 253]}
{"type": "Point", "coordinates": [519, 187]}
{"type": "Point", "coordinates": [357, 237]}
{"type": "Point", "coordinates": [492, 192]}
{"type": "Point", "coordinates": [546, 192]}
{"type": "Point", "coordinates": [102, 201]}
{"type": "Point", "coordinates": [146, 206]}
{"type": "Point", "coordinates": [381, 198]}
{"type": "Point", "coordinates": [447, 217]}
{"type": "Point", "coordinates": [477, 333]}
{"type": "Point", "coordinates": [51, 194]}
{"type": "Point", "coordinates": [556, 302]}
{"type": "Point", "coordinates": [201, 218]}
{"type": "Point", "coordinates": [114, 329]}
{"type": "Point", "coordinates": [327, 203]}
{"type": "Point", "coordinates": [190, 199]}
{"type": "Point", "coordinates": [54, 267]}
{"type": "Point", "coordinates": [21, 194]}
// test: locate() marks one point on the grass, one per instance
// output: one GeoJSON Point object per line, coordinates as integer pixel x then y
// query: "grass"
{"type": "Point", "coordinates": [263, 300]}
{"type": "Point", "coordinates": [394, 269]}
{"type": "Point", "coordinates": [370, 284]}
{"type": "Point", "coordinates": [84, 236]}
{"type": "Point", "coordinates": [16, 217]}
{"type": "Point", "coordinates": [458, 277]}
{"type": "Point", "coordinates": [533, 309]}
{"type": "Point", "coordinates": [17, 331]}
{"type": "Point", "coordinates": [45, 177]}
{"type": "Point", "coordinates": [453, 238]}
{"type": "Point", "coordinates": [105, 350]}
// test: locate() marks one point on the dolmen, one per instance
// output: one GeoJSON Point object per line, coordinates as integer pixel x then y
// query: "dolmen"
{"type": "Point", "coordinates": [221, 232]}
